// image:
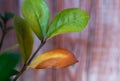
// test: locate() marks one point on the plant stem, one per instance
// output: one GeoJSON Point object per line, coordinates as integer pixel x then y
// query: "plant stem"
{"type": "Point", "coordinates": [2, 39]}
{"type": "Point", "coordinates": [3, 35]}
{"type": "Point", "coordinates": [41, 45]}
{"type": "Point", "coordinates": [20, 73]}
{"type": "Point", "coordinates": [29, 61]}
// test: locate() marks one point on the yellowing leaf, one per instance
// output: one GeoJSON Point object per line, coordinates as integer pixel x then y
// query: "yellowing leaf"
{"type": "Point", "coordinates": [24, 36]}
{"type": "Point", "coordinates": [56, 58]}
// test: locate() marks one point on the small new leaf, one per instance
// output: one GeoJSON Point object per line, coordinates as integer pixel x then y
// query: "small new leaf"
{"type": "Point", "coordinates": [56, 58]}
{"type": "Point", "coordinates": [69, 20]}
{"type": "Point", "coordinates": [24, 36]}
{"type": "Point", "coordinates": [36, 12]}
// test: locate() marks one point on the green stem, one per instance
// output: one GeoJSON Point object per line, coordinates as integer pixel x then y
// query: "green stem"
{"type": "Point", "coordinates": [29, 61]}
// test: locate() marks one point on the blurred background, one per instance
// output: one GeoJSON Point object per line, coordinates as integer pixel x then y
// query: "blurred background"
{"type": "Point", "coordinates": [96, 48]}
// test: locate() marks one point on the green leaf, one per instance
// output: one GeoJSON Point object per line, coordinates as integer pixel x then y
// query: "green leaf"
{"type": "Point", "coordinates": [36, 12]}
{"type": "Point", "coordinates": [14, 72]}
{"type": "Point", "coordinates": [8, 16]}
{"type": "Point", "coordinates": [8, 61]}
{"type": "Point", "coordinates": [69, 20]}
{"type": "Point", "coordinates": [24, 36]}
{"type": "Point", "coordinates": [7, 79]}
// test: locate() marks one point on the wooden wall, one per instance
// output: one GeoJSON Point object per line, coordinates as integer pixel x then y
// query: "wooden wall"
{"type": "Point", "coordinates": [96, 48]}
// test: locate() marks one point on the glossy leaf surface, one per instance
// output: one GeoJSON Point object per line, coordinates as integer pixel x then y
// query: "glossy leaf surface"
{"type": "Point", "coordinates": [36, 12]}
{"type": "Point", "coordinates": [56, 58]}
{"type": "Point", "coordinates": [8, 61]}
{"type": "Point", "coordinates": [69, 20]}
{"type": "Point", "coordinates": [24, 36]}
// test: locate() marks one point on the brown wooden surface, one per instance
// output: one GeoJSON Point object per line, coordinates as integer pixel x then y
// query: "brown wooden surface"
{"type": "Point", "coordinates": [96, 48]}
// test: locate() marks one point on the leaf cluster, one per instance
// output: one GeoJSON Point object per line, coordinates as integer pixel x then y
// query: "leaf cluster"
{"type": "Point", "coordinates": [36, 15]}
{"type": "Point", "coordinates": [36, 20]}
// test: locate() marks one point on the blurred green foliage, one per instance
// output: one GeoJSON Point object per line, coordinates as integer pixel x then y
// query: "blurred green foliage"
{"type": "Point", "coordinates": [8, 61]}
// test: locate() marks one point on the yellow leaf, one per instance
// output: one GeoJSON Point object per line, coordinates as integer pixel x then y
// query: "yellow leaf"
{"type": "Point", "coordinates": [56, 58]}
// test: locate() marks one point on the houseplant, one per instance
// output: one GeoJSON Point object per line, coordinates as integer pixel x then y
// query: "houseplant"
{"type": "Point", "coordinates": [35, 20]}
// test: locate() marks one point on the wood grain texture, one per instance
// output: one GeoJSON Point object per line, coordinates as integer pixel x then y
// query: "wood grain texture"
{"type": "Point", "coordinates": [96, 48]}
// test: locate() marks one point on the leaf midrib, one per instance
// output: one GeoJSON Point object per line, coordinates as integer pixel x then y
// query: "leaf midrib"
{"type": "Point", "coordinates": [57, 28]}
{"type": "Point", "coordinates": [38, 20]}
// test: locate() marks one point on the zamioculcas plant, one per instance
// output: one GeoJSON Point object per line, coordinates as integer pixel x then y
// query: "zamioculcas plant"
{"type": "Point", "coordinates": [36, 20]}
